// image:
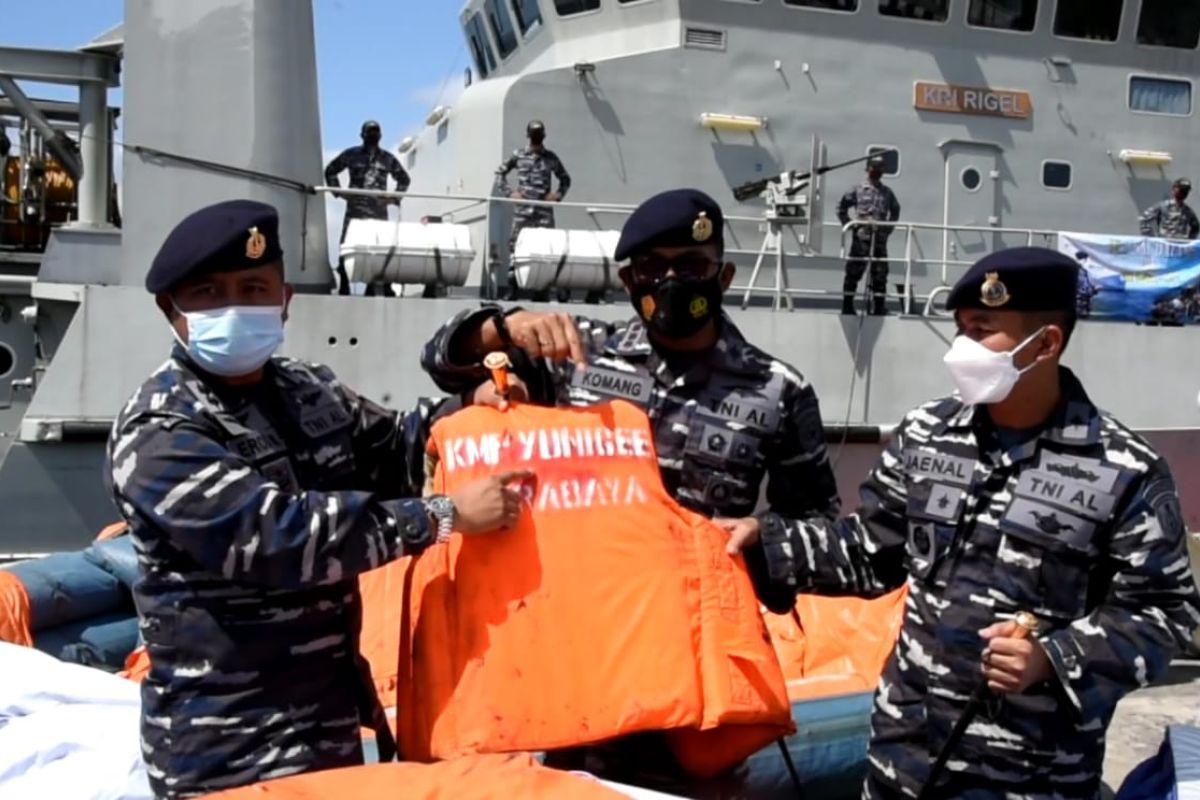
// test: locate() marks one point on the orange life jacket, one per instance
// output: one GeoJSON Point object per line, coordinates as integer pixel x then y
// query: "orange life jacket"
{"type": "Point", "coordinates": [836, 645]}
{"type": "Point", "coordinates": [498, 777]}
{"type": "Point", "coordinates": [607, 610]}
{"type": "Point", "coordinates": [14, 611]}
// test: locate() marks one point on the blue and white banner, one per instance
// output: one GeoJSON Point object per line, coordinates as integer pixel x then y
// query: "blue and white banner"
{"type": "Point", "coordinates": [1136, 278]}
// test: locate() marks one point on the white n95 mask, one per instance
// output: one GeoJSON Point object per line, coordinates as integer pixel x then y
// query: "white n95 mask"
{"type": "Point", "coordinates": [983, 375]}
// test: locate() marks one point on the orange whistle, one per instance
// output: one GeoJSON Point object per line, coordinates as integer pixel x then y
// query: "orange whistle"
{"type": "Point", "coordinates": [498, 364]}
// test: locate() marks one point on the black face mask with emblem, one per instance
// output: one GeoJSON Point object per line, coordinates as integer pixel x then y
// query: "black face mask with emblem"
{"type": "Point", "coordinates": [676, 308]}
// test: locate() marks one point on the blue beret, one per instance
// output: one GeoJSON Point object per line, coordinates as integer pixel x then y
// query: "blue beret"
{"type": "Point", "coordinates": [228, 236]}
{"type": "Point", "coordinates": [677, 218]}
{"type": "Point", "coordinates": [1019, 279]}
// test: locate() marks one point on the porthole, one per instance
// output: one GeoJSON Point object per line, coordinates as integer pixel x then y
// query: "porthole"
{"type": "Point", "coordinates": [8, 360]}
{"type": "Point", "coordinates": [971, 179]}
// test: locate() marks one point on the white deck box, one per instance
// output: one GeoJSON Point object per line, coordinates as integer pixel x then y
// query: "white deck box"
{"type": "Point", "coordinates": [383, 251]}
{"type": "Point", "coordinates": [567, 259]}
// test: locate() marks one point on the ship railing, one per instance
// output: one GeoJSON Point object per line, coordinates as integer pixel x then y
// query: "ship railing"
{"type": "Point", "coordinates": [479, 211]}
{"type": "Point", "coordinates": [1032, 237]}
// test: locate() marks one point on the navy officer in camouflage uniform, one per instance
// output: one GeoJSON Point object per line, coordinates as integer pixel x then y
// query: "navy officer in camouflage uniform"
{"type": "Point", "coordinates": [536, 168]}
{"type": "Point", "coordinates": [725, 414]}
{"type": "Point", "coordinates": [1015, 494]}
{"type": "Point", "coordinates": [369, 166]}
{"type": "Point", "coordinates": [871, 202]}
{"type": "Point", "coordinates": [1173, 218]}
{"type": "Point", "coordinates": [256, 490]}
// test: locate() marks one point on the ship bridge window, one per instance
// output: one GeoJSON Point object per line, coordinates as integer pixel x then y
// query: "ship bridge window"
{"type": "Point", "coordinates": [481, 48]}
{"type": "Point", "coordinates": [1011, 15]}
{"type": "Point", "coordinates": [528, 15]}
{"type": "Point", "coordinates": [829, 5]}
{"type": "Point", "coordinates": [1097, 20]}
{"type": "Point", "coordinates": [566, 8]}
{"type": "Point", "coordinates": [927, 10]}
{"type": "Point", "coordinates": [1169, 23]}
{"type": "Point", "coordinates": [1160, 95]}
{"type": "Point", "coordinates": [502, 26]}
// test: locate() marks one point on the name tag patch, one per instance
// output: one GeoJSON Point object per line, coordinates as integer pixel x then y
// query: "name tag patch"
{"type": "Point", "coordinates": [630, 386]}
{"type": "Point", "coordinates": [255, 446]}
{"type": "Point", "coordinates": [940, 467]}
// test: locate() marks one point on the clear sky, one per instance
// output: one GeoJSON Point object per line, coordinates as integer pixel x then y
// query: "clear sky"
{"type": "Point", "coordinates": [381, 59]}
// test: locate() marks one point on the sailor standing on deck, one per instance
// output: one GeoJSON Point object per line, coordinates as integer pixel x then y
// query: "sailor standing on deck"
{"type": "Point", "coordinates": [872, 202]}
{"type": "Point", "coordinates": [1016, 494]}
{"type": "Point", "coordinates": [1172, 218]}
{"type": "Point", "coordinates": [369, 166]}
{"type": "Point", "coordinates": [536, 168]}
{"type": "Point", "coordinates": [726, 415]}
{"type": "Point", "coordinates": [256, 490]}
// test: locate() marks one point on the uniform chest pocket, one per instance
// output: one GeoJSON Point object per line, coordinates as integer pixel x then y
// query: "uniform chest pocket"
{"type": "Point", "coordinates": [1044, 558]}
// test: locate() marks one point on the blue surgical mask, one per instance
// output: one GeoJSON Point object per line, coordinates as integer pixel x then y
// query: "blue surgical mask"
{"type": "Point", "coordinates": [235, 340]}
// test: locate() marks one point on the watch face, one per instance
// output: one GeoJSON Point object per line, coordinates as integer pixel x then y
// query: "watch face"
{"type": "Point", "coordinates": [441, 505]}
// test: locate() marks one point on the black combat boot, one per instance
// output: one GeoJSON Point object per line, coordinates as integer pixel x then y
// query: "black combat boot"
{"type": "Point", "coordinates": [848, 304]}
{"type": "Point", "coordinates": [878, 305]}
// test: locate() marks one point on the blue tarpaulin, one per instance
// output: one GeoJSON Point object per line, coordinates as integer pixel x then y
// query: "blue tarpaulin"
{"type": "Point", "coordinates": [1136, 278]}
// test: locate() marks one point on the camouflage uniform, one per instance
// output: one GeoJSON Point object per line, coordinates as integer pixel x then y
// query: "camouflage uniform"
{"type": "Point", "coordinates": [1080, 525]}
{"type": "Point", "coordinates": [252, 511]}
{"type": "Point", "coordinates": [535, 168]}
{"type": "Point", "coordinates": [870, 202]}
{"type": "Point", "coordinates": [1170, 220]}
{"type": "Point", "coordinates": [369, 169]}
{"type": "Point", "coordinates": [721, 424]}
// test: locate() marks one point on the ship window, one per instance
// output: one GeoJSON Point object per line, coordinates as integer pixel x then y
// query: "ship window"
{"type": "Point", "coordinates": [528, 15]}
{"type": "Point", "coordinates": [1012, 15]}
{"type": "Point", "coordinates": [481, 48]}
{"type": "Point", "coordinates": [890, 156]}
{"type": "Point", "coordinates": [927, 10]}
{"type": "Point", "coordinates": [566, 8]}
{"type": "Point", "coordinates": [1056, 174]}
{"type": "Point", "coordinates": [502, 26]}
{"type": "Point", "coordinates": [1097, 20]}
{"type": "Point", "coordinates": [828, 5]}
{"type": "Point", "coordinates": [1160, 95]}
{"type": "Point", "coordinates": [1169, 23]}
{"type": "Point", "coordinates": [971, 179]}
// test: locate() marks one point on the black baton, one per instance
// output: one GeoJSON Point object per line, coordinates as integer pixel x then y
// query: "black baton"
{"type": "Point", "coordinates": [1026, 624]}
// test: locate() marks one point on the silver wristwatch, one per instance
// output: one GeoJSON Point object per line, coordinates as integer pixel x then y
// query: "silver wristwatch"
{"type": "Point", "coordinates": [441, 509]}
